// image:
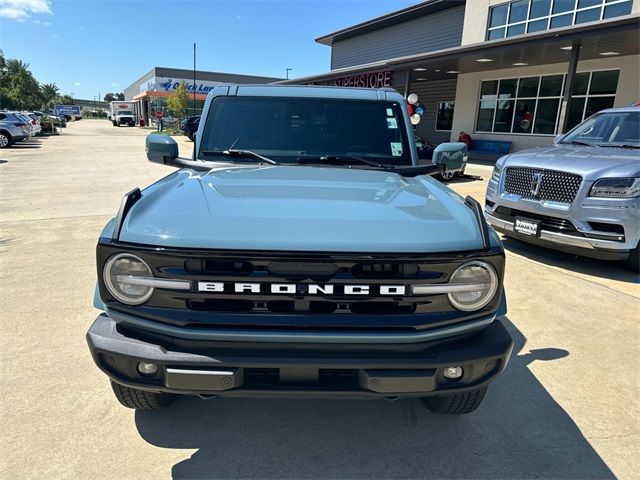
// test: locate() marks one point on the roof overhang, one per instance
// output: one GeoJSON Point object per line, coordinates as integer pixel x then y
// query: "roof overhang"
{"type": "Point", "coordinates": [393, 18]}
{"type": "Point", "coordinates": [620, 35]}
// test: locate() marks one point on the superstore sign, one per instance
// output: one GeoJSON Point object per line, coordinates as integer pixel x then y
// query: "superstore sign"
{"type": "Point", "coordinates": [365, 80]}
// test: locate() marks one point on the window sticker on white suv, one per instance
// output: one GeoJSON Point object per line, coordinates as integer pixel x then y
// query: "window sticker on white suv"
{"type": "Point", "coordinates": [396, 149]}
{"type": "Point", "coordinates": [392, 123]}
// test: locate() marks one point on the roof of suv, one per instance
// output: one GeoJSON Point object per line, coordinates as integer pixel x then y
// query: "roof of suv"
{"type": "Point", "coordinates": [629, 108]}
{"type": "Point", "coordinates": [308, 91]}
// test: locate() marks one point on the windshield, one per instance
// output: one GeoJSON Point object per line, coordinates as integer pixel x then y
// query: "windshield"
{"type": "Point", "coordinates": [286, 129]}
{"type": "Point", "coordinates": [125, 112]}
{"type": "Point", "coordinates": [608, 129]}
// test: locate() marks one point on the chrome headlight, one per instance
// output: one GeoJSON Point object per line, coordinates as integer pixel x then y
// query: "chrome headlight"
{"type": "Point", "coordinates": [124, 275]}
{"type": "Point", "coordinates": [478, 283]}
{"type": "Point", "coordinates": [495, 174]}
{"type": "Point", "coordinates": [616, 188]}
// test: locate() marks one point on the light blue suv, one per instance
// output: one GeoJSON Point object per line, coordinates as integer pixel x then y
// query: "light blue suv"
{"type": "Point", "coordinates": [301, 252]}
{"type": "Point", "coordinates": [581, 195]}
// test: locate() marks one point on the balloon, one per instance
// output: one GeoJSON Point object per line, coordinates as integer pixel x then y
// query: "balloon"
{"type": "Point", "coordinates": [412, 98]}
{"type": "Point", "coordinates": [415, 119]}
{"type": "Point", "coordinates": [420, 110]}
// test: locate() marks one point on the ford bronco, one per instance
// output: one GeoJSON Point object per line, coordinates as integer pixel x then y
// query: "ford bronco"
{"type": "Point", "coordinates": [300, 252]}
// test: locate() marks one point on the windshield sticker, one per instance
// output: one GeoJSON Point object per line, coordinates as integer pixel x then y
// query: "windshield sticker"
{"type": "Point", "coordinates": [389, 112]}
{"type": "Point", "coordinates": [392, 123]}
{"type": "Point", "coordinates": [396, 149]}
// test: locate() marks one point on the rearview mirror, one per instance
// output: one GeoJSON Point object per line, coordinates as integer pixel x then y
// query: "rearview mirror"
{"type": "Point", "coordinates": [161, 149]}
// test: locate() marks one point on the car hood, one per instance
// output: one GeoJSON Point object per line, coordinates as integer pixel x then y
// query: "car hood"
{"type": "Point", "coordinates": [591, 163]}
{"type": "Point", "coordinates": [302, 208]}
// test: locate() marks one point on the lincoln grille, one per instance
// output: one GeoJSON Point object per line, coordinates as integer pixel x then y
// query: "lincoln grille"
{"type": "Point", "coordinates": [545, 185]}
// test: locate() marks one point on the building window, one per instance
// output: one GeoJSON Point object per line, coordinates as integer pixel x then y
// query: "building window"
{"type": "Point", "coordinates": [444, 116]}
{"type": "Point", "coordinates": [530, 105]}
{"type": "Point", "coordinates": [528, 16]}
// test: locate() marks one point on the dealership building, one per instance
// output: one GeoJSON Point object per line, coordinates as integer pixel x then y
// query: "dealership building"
{"type": "Point", "coordinates": [517, 71]}
{"type": "Point", "coordinates": [150, 91]}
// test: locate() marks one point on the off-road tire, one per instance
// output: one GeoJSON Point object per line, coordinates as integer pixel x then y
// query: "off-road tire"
{"type": "Point", "coordinates": [456, 404]}
{"type": "Point", "coordinates": [140, 399]}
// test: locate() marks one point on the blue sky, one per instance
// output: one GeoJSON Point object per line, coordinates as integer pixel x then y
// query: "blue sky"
{"type": "Point", "coordinates": [89, 47]}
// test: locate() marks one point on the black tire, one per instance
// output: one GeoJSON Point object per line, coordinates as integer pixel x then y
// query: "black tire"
{"type": "Point", "coordinates": [191, 136]}
{"type": "Point", "coordinates": [141, 400]}
{"type": "Point", "coordinates": [5, 140]}
{"type": "Point", "coordinates": [633, 262]}
{"type": "Point", "coordinates": [457, 404]}
{"type": "Point", "coordinates": [447, 176]}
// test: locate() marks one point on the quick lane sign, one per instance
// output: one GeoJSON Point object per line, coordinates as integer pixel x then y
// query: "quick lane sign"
{"type": "Point", "coordinates": [70, 110]}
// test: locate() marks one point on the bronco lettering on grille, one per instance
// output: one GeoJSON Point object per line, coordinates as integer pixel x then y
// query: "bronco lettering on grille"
{"type": "Point", "coordinates": [301, 288]}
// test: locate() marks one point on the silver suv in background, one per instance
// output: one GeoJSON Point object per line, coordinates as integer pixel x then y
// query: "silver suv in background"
{"type": "Point", "coordinates": [580, 195]}
{"type": "Point", "coordinates": [14, 128]}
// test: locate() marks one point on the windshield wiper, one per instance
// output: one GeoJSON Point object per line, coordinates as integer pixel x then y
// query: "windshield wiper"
{"type": "Point", "coordinates": [241, 154]}
{"type": "Point", "coordinates": [403, 170]}
{"type": "Point", "coordinates": [584, 144]}
{"type": "Point", "coordinates": [340, 159]}
{"type": "Point", "coordinates": [624, 145]}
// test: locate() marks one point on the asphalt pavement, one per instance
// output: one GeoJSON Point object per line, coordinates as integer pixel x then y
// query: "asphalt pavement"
{"type": "Point", "coordinates": [566, 407]}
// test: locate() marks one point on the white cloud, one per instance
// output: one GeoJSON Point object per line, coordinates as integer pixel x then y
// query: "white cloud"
{"type": "Point", "coordinates": [77, 84]}
{"type": "Point", "coordinates": [21, 9]}
{"type": "Point", "coordinates": [115, 84]}
{"type": "Point", "coordinates": [41, 23]}
{"type": "Point", "coordinates": [238, 17]}
{"type": "Point", "coordinates": [55, 35]}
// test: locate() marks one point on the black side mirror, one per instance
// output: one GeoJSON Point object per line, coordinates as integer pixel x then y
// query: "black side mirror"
{"type": "Point", "coordinates": [161, 149]}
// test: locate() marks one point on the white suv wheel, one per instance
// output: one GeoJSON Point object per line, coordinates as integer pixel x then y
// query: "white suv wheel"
{"type": "Point", "coordinates": [4, 141]}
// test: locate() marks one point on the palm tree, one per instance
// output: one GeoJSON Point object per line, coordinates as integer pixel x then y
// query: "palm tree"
{"type": "Point", "coordinates": [50, 94]}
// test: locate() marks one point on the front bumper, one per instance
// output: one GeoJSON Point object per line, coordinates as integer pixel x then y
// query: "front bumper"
{"type": "Point", "coordinates": [587, 247]}
{"type": "Point", "coordinates": [289, 370]}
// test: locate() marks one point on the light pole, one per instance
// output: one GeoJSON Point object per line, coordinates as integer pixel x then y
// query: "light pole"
{"type": "Point", "coordinates": [287, 72]}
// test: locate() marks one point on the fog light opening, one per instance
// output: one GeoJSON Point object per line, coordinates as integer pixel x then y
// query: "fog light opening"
{"type": "Point", "coordinates": [147, 369]}
{"type": "Point", "coordinates": [453, 373]}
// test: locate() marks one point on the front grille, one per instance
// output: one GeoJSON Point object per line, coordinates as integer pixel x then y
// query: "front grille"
{"type": "Point", "coordinates": [554, 224]}
{"type": "Point", "coordinates": [379, 291]}
{"type": "Point", "coordinates": [545, 185]}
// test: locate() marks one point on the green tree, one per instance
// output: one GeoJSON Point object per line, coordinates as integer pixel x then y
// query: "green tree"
{"type": "Point", "coordinates": [179, 101]}
{"type": "Point", "coordinates": [112, 97]}
{"type": "Point", "coordinates": [64, 100]}
{"type": "Point", "coordinates": [19, 86]}
{"type": "Point", "coordinates": [50, 94]}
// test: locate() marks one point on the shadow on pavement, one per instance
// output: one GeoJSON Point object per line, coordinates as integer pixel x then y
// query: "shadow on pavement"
{"type": "Point", "coordinates": [519, 432]}
{"type": "Point", "coordinates": [588, 266]}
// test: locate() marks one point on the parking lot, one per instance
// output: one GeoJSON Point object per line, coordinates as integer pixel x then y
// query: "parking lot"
{"type": "Point", "coordinates": [567, 406]}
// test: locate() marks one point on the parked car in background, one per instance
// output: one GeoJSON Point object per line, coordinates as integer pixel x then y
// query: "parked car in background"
{"type": "Point", "coordinates": [13, 128]}
{"type": "Point", "coordinates": [190, 126]}
{"type": "Point", "coordinates": [35, 122]}
{"type": "Point", "coordinates": [581, 195]}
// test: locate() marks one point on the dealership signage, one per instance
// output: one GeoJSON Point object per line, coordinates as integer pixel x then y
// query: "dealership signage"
{"type": "Point", "coordinates": [69, 110]}
{"type": "Point", "coordinates": [165, 84]}
{"type": "Point", "coordinates": [365, 80]}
